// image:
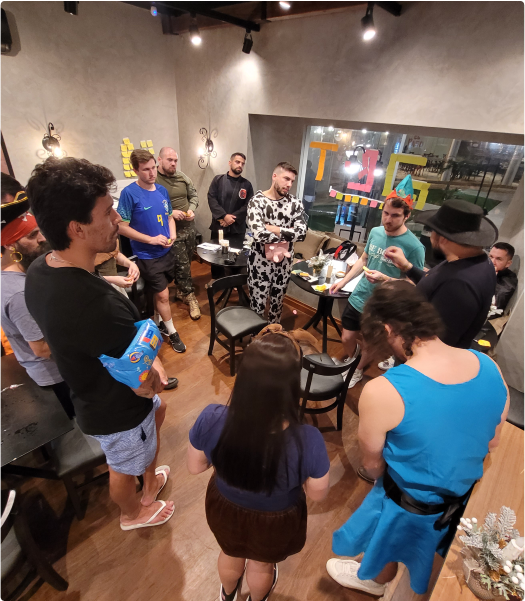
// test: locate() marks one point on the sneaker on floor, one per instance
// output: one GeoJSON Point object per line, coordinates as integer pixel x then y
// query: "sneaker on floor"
{"type": "Point", "coordinates": [176, 343]}
{"type": "Point", "coordinates": [357, 377]}
{"type": "Point", "coordinates": [234, 594]}
{"type": "Point", "coordinates": [163, 329]}
{"type": "Point", "coordinates": [387, 364]}
{"type": "Point", "coordinates": [172, 383]}
{"type": "Point", "coordinates": [344, 572]}
{"type": "Point", "coordinates": [275, 577]}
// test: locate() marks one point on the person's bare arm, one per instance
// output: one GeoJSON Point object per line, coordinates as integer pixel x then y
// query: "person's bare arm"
{"type": "Point", "coordinates": [40, 348]}
{"type": "Point", "coordinates": [155, 381]}
{"type": "Point", "coordinates": [196, 460]}
{"type": "Point", "coordinates": [317, 488]}
{"type": "Point", "coordinates": [126, 230]}
{"type": "Point", "coordinates": [381, 409]}
{"type": "Point", "coordinates": [355, 270]}
{"type": "Point", "coordinates": [493, 444]}
{"type": "Point", "coordinates": [173, 228]}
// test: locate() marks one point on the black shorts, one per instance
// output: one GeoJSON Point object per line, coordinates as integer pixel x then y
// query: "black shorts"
{"type": "Point", "coordinates": [351, 318]}
{"type": "Point", "coordinates": [158, 273]}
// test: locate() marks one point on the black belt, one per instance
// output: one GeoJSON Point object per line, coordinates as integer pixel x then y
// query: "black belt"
{"type": "Point", "coordinates": [451, 508]}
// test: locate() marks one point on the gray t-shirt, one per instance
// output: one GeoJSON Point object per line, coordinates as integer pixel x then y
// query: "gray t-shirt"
{"type": "Point", "coordinates": [20, 328]}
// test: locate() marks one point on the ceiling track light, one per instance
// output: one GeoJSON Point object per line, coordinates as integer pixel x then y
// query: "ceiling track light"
{"type": "Point", "coordinates": [71, 8]}
{"type": "Point", "coordinates": [195, 35]}
{"type": "Point", "coordinates": [285, 5]}
{"type": "Point", "coordinates": [367, 23]}
{"type": "Point", "coordinates": [153, 9]}
{"type": "Point", "coordinates": [248, 42]}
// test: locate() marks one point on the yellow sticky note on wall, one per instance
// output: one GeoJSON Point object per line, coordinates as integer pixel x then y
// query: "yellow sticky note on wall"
{"type": "Point", "coordinates": [355, 199]}
{"type": "Point", "coordinates": [125, 140]}
{"type": "Point", "coordinates": [127, 174]}
{"type": "Point", "coordinates": [150, 143]}
{"type": "Point", "coordinates": [151, 150]}
{"type": "Point", "coordinates": [123, 147]}
{"type": "Point", "coordinates": [125, 161]}
{"type": "Point", "coordinates": [133, 174]}
{"type": "Point", "coordinates": [127, 168]}
{"type": "Point", "coordinates": [131, 147]}
{"type": "Point", "coordinates": [143, 144]}
{"type": "Point", "coordinates": [125, 154]}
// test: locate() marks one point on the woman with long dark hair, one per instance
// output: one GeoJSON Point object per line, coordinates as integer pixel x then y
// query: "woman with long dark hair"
{"type": "Point", "coordinates": [263, 456]}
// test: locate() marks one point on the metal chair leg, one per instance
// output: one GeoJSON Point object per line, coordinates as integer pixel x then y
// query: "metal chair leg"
{"type": "Point", "coordinates": [73, 495]}
{"type": "Point", "coordinates": [340, 409]}
{"type": "Point", "coordinates": [232, 356]}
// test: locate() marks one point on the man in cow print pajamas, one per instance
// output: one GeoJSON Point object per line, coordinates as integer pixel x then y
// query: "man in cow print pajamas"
{"type": "Point", "coordinates": [273, 216]}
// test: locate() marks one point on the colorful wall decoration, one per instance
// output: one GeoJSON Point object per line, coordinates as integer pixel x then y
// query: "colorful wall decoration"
{"type": "Point", "coordinates": [127, 148]}
{"type": "Point", "coordinates": [369, 163]}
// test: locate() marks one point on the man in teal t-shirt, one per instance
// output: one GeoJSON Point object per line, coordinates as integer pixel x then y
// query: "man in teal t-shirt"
{"type": "Point", "coordinates": [392, 232]}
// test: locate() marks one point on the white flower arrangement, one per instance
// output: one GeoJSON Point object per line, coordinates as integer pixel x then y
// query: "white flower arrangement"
{"type": "Point", "coordinates": [492, 553]}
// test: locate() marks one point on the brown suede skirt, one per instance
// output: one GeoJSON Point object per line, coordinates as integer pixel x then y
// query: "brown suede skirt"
{"type": "Point", "coordinates": [266, 536]}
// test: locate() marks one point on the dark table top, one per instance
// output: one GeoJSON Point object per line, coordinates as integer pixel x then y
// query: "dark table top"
{"type": "Point", "coordinates": [217, 258]}
{"type": "Point", "coordinates": [307, 286]}
{"type": "Point", "coordinates": [487, 333]}
{"type": "Point", "coordinates": [31, 416]}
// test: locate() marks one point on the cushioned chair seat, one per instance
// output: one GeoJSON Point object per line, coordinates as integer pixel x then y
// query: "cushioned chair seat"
{"type": "Point", "coordinates": [237, 322]}
{"type": "Point", "coordinates": [76, 452]}
{"type": "Point", "coordinates": [515, 415]}
{"type": "Point", "coordinates": [12, 554]}
{"type": "Point", "coordinates": [322, 387]}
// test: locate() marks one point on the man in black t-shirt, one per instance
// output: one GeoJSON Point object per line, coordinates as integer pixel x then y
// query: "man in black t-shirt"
{"type": "Point", "coordinates": [462, 286]}
{"type": "Point", "coordinates": [501, 255]}
{"type": "Point", "coordinates": [81, 317]}
{"type": "Point", "coordinates": [228, 198]}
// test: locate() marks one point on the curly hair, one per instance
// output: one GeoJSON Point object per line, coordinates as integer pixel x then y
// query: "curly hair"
{"type": "Point", "coordinates": [65, 190]}
{"type": "Point", "coordinates": [405, 309]}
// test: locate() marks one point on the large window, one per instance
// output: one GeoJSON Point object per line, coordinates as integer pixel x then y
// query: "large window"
{"type": "Point", "coordinates": [345, 175]}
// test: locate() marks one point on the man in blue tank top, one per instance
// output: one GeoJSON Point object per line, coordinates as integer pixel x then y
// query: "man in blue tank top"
{"type": "Point", "coordinates": [147, 220]}
{"type": "Point", "coordinates": [425, 428]}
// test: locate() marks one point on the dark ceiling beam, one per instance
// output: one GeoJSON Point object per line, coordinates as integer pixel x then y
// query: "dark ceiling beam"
{"type": "Point", "coordinates": [394, 8]}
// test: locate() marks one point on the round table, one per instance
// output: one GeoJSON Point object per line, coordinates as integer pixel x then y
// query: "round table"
{"type": "Point", "coordinates": [324, 304]}
{"type": "Point", "coordinates": [215, 257]}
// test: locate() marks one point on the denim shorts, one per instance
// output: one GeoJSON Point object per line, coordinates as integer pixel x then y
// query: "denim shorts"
{"type": "Point", "coordinates": [132, 451]}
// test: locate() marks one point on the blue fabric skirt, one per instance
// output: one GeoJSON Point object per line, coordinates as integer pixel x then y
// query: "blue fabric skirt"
{"type": "Point", "coordinates": [387, 533]}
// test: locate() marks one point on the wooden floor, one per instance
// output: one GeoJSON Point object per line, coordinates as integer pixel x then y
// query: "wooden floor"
{"type": "Point", "coordinates": [177, 561]}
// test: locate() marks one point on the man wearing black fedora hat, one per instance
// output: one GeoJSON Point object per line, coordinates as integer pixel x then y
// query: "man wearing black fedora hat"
{"type": "Point", "coordinates": [462, 286]}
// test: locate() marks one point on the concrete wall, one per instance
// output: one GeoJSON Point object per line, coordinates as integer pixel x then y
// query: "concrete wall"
{"type": "Point", "coordinates": [435, 67]}
{"type": "Point", "coordinates": [105, 74]}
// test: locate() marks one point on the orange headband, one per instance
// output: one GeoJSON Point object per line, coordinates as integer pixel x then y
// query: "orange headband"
{"type": "Point", "coordinates": [407, 199]}
{"type": "Point", "coordinates": [18, 228]}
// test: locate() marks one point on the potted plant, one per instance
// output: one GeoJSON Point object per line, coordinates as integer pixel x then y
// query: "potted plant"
{"type": "Point", "coordinates": [493, 557]}
{"type": "Point", "coordinates": [318, 262]}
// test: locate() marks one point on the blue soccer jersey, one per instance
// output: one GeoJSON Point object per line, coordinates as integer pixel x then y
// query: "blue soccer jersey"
{"type": "Point", "coordinates": [148, 213]}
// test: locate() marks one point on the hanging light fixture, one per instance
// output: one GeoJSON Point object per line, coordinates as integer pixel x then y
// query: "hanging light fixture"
{"type": "Point", "coordinates": [195, 35]}
{"type": "Point", "coordinates": [207, 150]}
{"type": "Point", "coordinates": [51, 142]}
{"type": "Point", "coordinates": [367, 23]}
{"type": "Point", "coordinates": [248, 42]}
{"type": "Point", "coordinates": [285, 5]}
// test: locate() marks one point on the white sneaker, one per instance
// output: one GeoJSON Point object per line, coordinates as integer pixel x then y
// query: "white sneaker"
{"type": "Point", "coordinates": [344, 572]}
{"type": "Point", "coordinates": [387, 364]}
{"type": "Point", "coordinates": [357, 377]}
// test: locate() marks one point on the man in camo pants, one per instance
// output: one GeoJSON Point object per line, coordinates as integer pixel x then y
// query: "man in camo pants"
{"type": "Point", "coordinates": [184, 202]}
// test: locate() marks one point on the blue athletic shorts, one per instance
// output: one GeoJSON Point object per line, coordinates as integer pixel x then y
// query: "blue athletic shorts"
{"type": "Point", "coordinates": [130, 452]}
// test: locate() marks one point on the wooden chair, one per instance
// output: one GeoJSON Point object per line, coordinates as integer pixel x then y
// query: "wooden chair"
{"type": "Point", "coordinates": [322, 380]}
{"type": "Point", "coordinates": [19, 548]}
{"type": "Point", "coordinates": [234, 322]}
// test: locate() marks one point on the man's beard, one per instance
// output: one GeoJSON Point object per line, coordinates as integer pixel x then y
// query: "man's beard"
{"type": "Point", "coordinates": [237, 171]}
{"type": "Point", "coordinates": [438, 254]}
{"type": "Point", "coordinates": [29, 257]}
{"type": "Point", "coordinates": [280, 190]}
{"type": "Point", "coordinates": [169, 170]}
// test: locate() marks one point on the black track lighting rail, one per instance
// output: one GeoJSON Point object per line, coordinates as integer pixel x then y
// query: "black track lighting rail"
{"type": "Point", "coordinates": [175, 9]}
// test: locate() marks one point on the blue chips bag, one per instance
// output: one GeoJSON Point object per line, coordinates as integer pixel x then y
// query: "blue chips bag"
{"type": "Point", "coordinates": [133, 367]}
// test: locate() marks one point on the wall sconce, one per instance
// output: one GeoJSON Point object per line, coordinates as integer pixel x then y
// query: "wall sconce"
{"type": "Point", "coordinates": [51, 142]}
{"type": "Point", "coordinates": [207, 151]}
